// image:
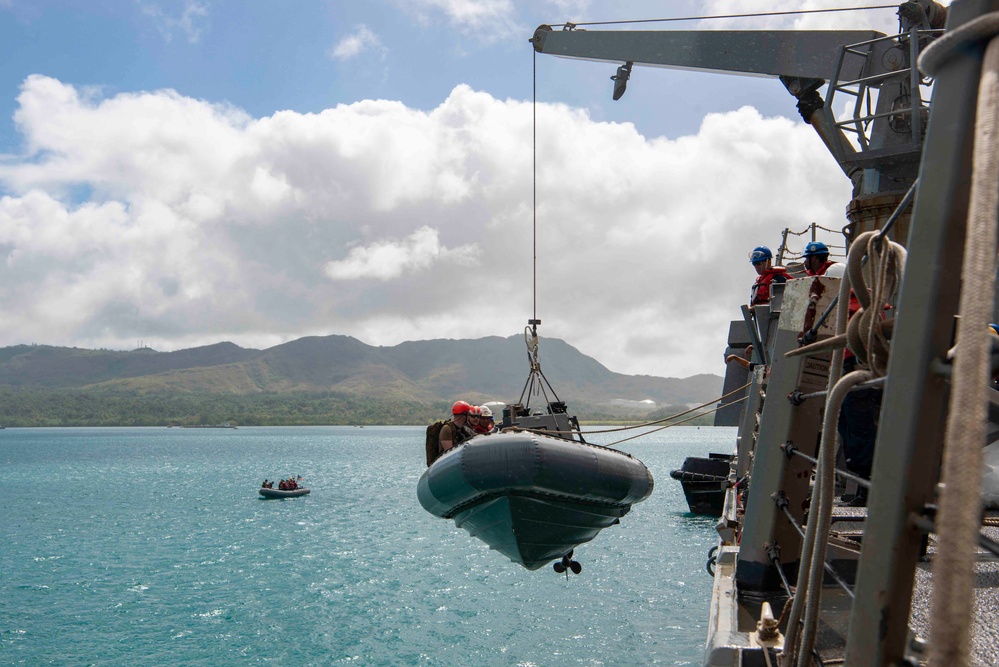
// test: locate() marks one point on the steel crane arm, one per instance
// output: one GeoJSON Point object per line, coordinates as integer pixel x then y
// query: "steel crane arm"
{"type": "Point", "coordinates": [805, 54]}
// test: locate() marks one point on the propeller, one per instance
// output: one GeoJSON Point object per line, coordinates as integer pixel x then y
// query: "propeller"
{"type": "Point", "coordinates": [566, 564]}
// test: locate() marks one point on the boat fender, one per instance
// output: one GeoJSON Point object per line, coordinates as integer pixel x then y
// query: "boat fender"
{"type": "Point", "coordinates": [712, 560]}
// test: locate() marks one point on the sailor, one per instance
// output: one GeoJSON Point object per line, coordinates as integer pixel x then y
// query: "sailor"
{"type": "Point", "coordinates": [857, 423]}
{"type": "Point", "coordinates": [817, 263]}
{"type": "Point", "coordinates": [456, 430]}
{"type": "Point", "coordinates": [481, 419]}
{"type": "Point", "coordinates": [486, 420]}
{"type": "Point", "coordinates": [766, 274]}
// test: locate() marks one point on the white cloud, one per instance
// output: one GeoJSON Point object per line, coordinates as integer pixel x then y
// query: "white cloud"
{"type": "Point", "coordinates": [190, 21]}
{"type": "Point", "coordinates": [471, 13]}
{"type": "Point", "coordinates": [200, 223]}
{"type": "Point", "coordinates": [776, 16]}
{"type": "Point", "coordinates": [389, 259]}
{"type": "Point", "coordinates": [355, 44]}
{"type": "Point", "coordinates": [487, 20]}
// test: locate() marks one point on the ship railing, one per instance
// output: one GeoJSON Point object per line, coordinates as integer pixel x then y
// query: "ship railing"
{"type": "Point", "coordinates": [782, 503]}
{"type": "Point", "coordinates": [924, 522]}
{"type": "Point", "coordinates": [791, 451]}
{"type": "Point", "coordinates": [783, 251]}
{"type": "Point", "coordinates": [907, 107]}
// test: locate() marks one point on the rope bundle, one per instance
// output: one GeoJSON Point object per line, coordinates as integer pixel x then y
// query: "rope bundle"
{"type": "Point", "coordinates": [874, 282]}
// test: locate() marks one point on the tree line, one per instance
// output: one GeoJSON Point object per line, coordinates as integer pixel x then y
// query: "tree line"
{"type": "Point", "coordinates": [73, 407]}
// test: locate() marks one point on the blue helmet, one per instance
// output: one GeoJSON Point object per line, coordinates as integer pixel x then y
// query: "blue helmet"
{"type": "Point", "coordinates": [760, 254]}
{"type": "Point", "coordinates": [815, 248]}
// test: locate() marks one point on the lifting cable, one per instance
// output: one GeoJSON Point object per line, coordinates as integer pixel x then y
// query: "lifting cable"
{"type": "Point", "coordinates": [535, 367]}
{"type": "Point", "coordinates": [534, 184]}
{"type": "Point", "coordinates": [571, 26]}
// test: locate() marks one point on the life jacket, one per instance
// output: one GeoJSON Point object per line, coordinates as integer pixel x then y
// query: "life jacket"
{"type": "Point", "coordinates": [434, 440]}
{"type": "Point", "coordinates": [761, 288]}
{"type": "Point", "coordinates": [823, 269]}
{"type": "Point", "coordinates": [433, 445]}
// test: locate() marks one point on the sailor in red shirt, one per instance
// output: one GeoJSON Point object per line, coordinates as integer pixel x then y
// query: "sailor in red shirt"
{"type": "Point", "coordinates": [858, 419]}
{"type": "Point", "coordinates": [767, 274]}
{"type": "Point", "coordinates": [817, 263]}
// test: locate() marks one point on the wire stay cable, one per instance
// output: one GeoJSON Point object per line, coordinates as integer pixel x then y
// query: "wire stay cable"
{"type": "Point", "coordinates": [728, 16]}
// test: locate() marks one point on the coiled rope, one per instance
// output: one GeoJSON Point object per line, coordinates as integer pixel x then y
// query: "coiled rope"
{"type": "Point", "coordinates": [874, 283]}
{"type": "Point", "coordinates": [958, 518]}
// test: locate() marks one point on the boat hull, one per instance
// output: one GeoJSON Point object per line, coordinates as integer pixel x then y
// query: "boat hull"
{"type": "Point", "coordinates": [273, 494]}
{"type": "Point", "coordinates": [704, 482]}
{"type": "Point", "coordinates": [531, 497]}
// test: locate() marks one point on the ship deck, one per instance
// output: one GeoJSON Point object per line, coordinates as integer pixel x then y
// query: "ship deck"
{"type": "Point", "coordinates": [985, 634]}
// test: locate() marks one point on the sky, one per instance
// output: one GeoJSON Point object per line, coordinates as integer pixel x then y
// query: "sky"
{"type": "Point", "coordinates": [176, 173]}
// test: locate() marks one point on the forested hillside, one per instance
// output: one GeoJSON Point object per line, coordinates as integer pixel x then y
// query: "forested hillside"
{"type": "Point", "coordinates": [314, 380]}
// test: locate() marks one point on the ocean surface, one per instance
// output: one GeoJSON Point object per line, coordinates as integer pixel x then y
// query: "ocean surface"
{"type": "Point", "coordinates": [151, 546]}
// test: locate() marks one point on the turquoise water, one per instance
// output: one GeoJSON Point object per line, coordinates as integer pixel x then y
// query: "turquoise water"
{"type": "Point", "coordinates": [151, 546]}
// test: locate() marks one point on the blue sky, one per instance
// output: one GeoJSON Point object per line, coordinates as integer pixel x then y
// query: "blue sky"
{"type": "Point", "coordinates": [188, 171]}
{"type": "Point", "coordinates": [265, 57]}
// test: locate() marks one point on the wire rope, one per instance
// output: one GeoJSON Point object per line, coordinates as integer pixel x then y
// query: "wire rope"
{"type": "Point", "coordinates": [682, 421]}
{"type": "Point", "coordinates": [730, 16]}
{"type": "Point", "coordinates": [671, 417]}
{"type": "Point", "coordinates": [534, 185]}
{"type": "Point", "coordinates": [634, 426]}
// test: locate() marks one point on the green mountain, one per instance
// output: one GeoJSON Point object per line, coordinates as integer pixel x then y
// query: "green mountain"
{"type": "Point", "coordinates": [308, 380]}
{"type": "Point", "coordinates": [431, 370]}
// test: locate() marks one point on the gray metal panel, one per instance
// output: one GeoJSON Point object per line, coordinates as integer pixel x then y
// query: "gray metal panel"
{"type": "Point", "coordinates": [772, 471]}
{"type": "Point", "coordinates": [913, 415]}
{"type": "Point", "coordinates": [807, 54]}
{"type": "Point", "coordinates": [738, 336]}
{"type": "Point", "coordinates": [735, 377]}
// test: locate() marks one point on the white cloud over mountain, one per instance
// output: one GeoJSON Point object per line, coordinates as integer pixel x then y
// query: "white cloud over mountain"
{"type": "Point", "coordinates": [157, 217]}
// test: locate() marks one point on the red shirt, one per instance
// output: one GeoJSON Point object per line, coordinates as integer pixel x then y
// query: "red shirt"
{"type": "Point", "coordinates": [761, 288]}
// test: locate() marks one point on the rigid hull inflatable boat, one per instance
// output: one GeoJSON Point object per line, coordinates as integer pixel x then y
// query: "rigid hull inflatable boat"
{"type": "Point", "coordinates": [281, 493]}
{"type": "Point", "coordinates": [530, 496]}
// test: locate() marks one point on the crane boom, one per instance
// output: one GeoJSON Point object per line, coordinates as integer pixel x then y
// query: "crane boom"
{"type": "Point", "coordinates": [877, 146]}
{"type": "Point", "coordinates": [807, 54]}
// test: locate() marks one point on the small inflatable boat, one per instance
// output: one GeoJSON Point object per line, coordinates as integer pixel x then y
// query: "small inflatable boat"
{"type": "Point", "coordinates": [280, 493]}
{"type": "Point", "coordinates": [533, 497]}
{"type": "Point", "coordinates": [704, 482]}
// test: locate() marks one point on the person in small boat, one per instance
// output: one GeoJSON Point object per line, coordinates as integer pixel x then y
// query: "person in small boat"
{"type": "Point", "coordinates": [474, 414]}
{"type": "Point", "coordinates": [482, 419]}
{"type": "Point", "coordinates": [283, 485]}
{"type": "Point", "coordinates": [817, 263]}
{"type": "Point", "coordinates": [766, 275]}
{"type": "Point", "coordinates": [457, 429]}
{"type": "Point", "coordinates": [264, 485]}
